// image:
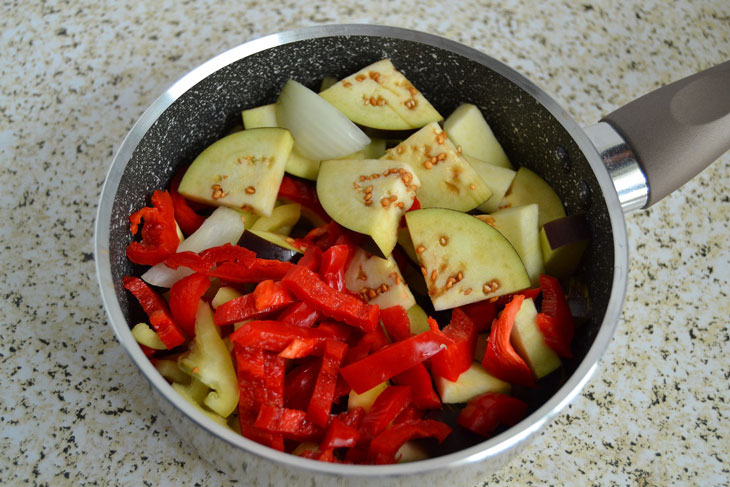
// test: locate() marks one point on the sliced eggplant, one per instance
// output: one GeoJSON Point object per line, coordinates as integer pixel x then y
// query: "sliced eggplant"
{"type": "Point", "coordinates": [368, 196]}
{"type": "Point", "coordinates": [242, 169]}
{"type": "Point", "coordinates": [378, 281]}
{"type": "Point", "coordinates": [281, 221]}
{"type": "Point", "coordinates": [499, 179]}
{"type": "Point", "coordinates": [519, 225]}
{"type": "Point", "coordinates": [380, 97]}
{"type": "Point", "coordinates": [367, 398]}
{"type": "Point", "coordinates": [470, 384]}
{"type": "Point", "coordinates": [296, 164]}
{"type": "Point", "coordinates": [259, 117]}
{"type": "Point", "coordinates": [467, 127]}
{"type": "Point", "coordinates": [530, 343]}
{"type": "Point", "coordinates": [418, 319]}
{"type": "Point", "coordinates": [268, 245]}
{"type": "Point", "coordinates": [404, 240]}
{"type": "Point", "coordinates": [463, 259]}
{"type": "Point", "coordinates": [447, 180]}
{"type": "Point", "coordinates": [563, 243]}
{"type": "Point", "coordinates": [527, 187]}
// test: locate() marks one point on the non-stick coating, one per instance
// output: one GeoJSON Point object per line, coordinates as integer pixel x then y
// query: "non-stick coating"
{"type": "Point", "coordinates": [528, 132]}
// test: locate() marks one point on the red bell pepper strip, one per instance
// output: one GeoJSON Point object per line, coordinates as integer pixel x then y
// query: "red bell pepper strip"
{"type": "Point", "coordinates": [159, 234]}
{"type": "Point", "coordinates": [272, 335]}
{"type": "Point", "coordinates": [312, 258]}
{"type": "Point", "coordinates": [338, 331]}
{"type": "Point", "coordinates": [342, 388]}
{"type": "Point", "coordinates": [292, 424]}
{"type": "Point", "coordinates": [188, 259]}
{"type": "Point", "coordinates": [387, 406]}
{"type": "Point", "coordinates": [299, 314]}
{"type": "Point", "coordinates": [227, 253]}
{"type": "Point", "coordinates": [275, 372]}
{"type": "Point", "coordinates": [299, 384]}
{"type": "Point", "coordinates": [186, 218]}
{"type": "Point", "coordinates": [251, 370]}
{"type": "Point", "coordinates": [482, 313]}
{"type": "Point", "coordinates": [557, 330]}
{"type": "Point", "coordinates": [419, 380]}
{"type": "Point", "coordinates": [324, 389]}
{"type": "Point", "coordinates": [298, 191]}
{"type": "Point", "coordinates": [352, 417]}
{"type": "Point", "coordinates": [251, 373]}
{"type": "Point", "coordinates": [308, 287]}
{"type": "Point", "coordinates": [485, 413]}
{"type": "Point", "coordinates": [339, 435]}
{"type": "Point", "coordinates": [396, 322]}
{"type": "Point", "coordinates": [500, 359]}
{"type": "Point", "coordinates": [157, 311]}
{"type": "Point", "coordinates": [392, 360]}
{"type": "Point", "coordinates": [334, 264]}
{"type": "Point", "coordinates": [185, 296]}
{"type": "Point", "coordinates": [272, 299]}
{"type": "Point", "coordinates": [384, 446]}
{"type": "Point", "coordinates": [269, 293]}
{"type": "Point", "coordinates": [410, 413]}
{"type": "Point", "coordinates": [303, 347]}
{"type": "Point", "coordinates": [231, 263]}
{"type": "Point", "coordinates": [255, 271]}
{"type": "Point", "coordinates": [370, 342]}
{"type": "Point", "coordinates": [459, 355]}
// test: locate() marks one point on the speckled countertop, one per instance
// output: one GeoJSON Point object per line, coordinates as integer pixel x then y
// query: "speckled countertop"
{"type": "Point", "coordinates": [74, 76]}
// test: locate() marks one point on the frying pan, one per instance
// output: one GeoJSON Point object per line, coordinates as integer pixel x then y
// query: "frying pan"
{"type": "Point", "coordinates": [630, 160]}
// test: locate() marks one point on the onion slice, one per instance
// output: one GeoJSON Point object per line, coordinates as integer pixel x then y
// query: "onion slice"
{"type": "Point", "coordinates": [319, 129]}
{"type": "Point", "coordinates": [223, 226]}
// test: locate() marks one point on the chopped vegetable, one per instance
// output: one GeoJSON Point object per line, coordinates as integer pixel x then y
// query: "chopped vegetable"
{"type": "Point", "coordinates": [157, 311]}
{"type": "Point", "coordinates": [386, 444]}
{"type": "Point", "coordinates": [185, 216]}
{"type": "Point", "coordinates": [324, 388]}
{"type": "Point", "coordinates": [159, 234]}
{"type": "Point", "coordinates": [209, 361]}
{"type": "Point", "coordinates": [147, 337]}
{"type": "Point", "coordinates": [555, 321]}
{"type": "Point", "coordinates": [386, 408]}
{"type": "Point", "coordinates": [320, 130]}
{"type": "Point", "coordinates": [185, 295]}
{"type": "Point", "coordinates": [309, 287]}
{"type": "Point", "coordinates": [500, 358]}
{"type": "Point", "coordinates": [335, 359]}
{"type": "Point", "coordinates": [248, 307]}
{"type": "Point", "coordinates": [393, 359]}
{"type": "Point", "coordinates": [458, 356]}
{"type": "Point", "coordinates": [485, 413]}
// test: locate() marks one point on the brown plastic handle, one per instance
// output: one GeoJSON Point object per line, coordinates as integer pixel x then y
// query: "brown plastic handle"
{"type": "Point", "coordinates": [678, 130]}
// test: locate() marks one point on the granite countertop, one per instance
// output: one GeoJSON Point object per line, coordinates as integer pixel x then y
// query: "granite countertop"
{"type": "Point", "coordinates": [74, 76]}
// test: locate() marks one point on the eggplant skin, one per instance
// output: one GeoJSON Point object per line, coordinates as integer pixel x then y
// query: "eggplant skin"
{"type": "Point", "coordinates": [266, 248]}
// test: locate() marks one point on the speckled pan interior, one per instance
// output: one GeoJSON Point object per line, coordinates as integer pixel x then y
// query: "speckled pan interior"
{"type": "Point", "coordinates": [527, 131]}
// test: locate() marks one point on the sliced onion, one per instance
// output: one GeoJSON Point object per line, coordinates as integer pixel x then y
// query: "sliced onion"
{"type": "Point", "coordinates": [223, 226]}
{"type": "Point", "coordinates": [319, 129]}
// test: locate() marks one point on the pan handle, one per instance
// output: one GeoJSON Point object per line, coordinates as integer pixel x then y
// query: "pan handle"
{"type": "Point", "coordinates": [678, 130]}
